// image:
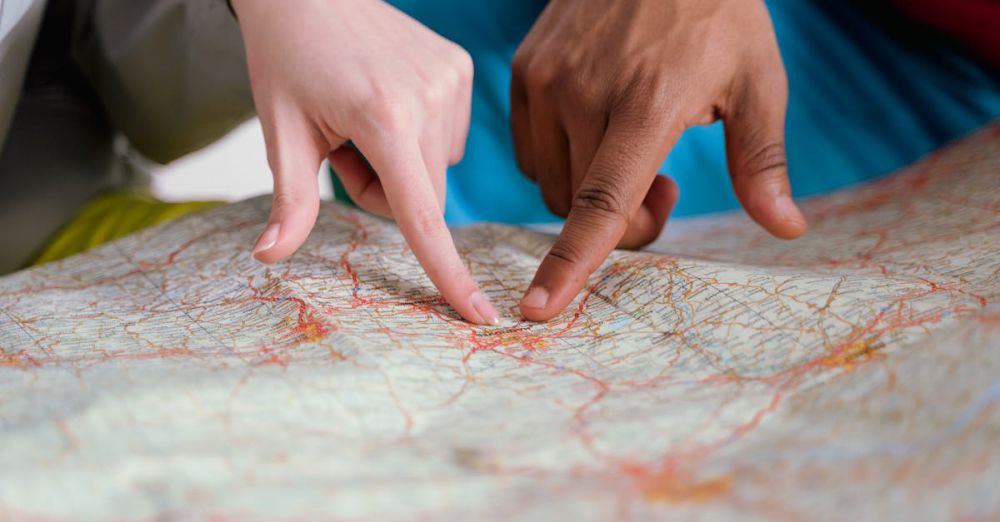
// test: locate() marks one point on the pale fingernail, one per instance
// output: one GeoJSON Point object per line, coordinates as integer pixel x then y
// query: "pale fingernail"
{"type": "Point", "coordinates": [485, 309]}
{"type": "Point", "coordinates": [537, 297]}
{"type": "Point", "coordinates": [788, 210]}
{"type": "Point", "coordinates": [267, 239]}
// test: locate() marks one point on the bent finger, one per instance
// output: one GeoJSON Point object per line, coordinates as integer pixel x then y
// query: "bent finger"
{"type": "Point", "coordinates": [550, 149]}
{"type": "Point", "coordinates": [520, 124]}
{"type": "Point", "coordinates": [649, 220]}
{"type": "Point", "coordinates": [359, 180]}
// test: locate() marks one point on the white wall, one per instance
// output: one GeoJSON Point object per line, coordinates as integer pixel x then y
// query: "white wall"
{"type": "Point", "coordinates": [232, 169]}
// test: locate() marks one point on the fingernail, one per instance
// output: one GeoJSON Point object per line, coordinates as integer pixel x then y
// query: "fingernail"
{"type": "Point", "coordinates": [537, 297]}
{"type": "Point", "coordinates": [788, 210]}
{"type": "Point", "coordinates": [267, 239]}
{"type": "Point", "coordinates": [485, 309]}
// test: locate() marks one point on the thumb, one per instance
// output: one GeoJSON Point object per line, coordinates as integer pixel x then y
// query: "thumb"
{"type": "Point", "coordinates": [755, 148]}
{"type": "Point", "coordinates": [294, 158]}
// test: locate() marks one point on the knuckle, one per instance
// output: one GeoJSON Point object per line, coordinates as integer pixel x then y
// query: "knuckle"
{"type": "Point", "coordinates": [286, 202]}
{"type": "Point", "coordinates": [463, 67]}
{"type": "Point", "coordinates": [519, 66]}
{"type": "Point", "coordinates": [541, 78]}
{"type": "Point", "coordinates": [568, 251]}
{"type": "Point", "coordinates": [602, 200]}
{"type": "Point", "coordinates": [651, 100]}
{"type": "Point", "coordinates": [428, 222]}
{"type": "Point", "coordinates": [650, 86]}
{"type": "Point", "coordinates": [389, 113]}
{"type": "Point", "coordinates": [766, 162]}
{"type": "Point", "coordinates": [433, 93]}
{"type": "Point", "coordinates": [581, 92]}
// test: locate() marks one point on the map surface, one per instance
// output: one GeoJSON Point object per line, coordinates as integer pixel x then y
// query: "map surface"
{"type": "Point", "coordinates": [854, 373]}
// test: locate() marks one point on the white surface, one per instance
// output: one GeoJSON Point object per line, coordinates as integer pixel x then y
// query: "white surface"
{"type": "Point", "coordinates": [232, 169]}
{"type": "Point", "coordinates": [10, 12]}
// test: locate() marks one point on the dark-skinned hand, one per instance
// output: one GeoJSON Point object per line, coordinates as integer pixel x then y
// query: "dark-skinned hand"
{"type": "Point", "coordinates": [600, 93]}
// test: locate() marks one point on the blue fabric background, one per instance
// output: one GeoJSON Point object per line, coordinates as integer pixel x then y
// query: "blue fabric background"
{"type": "Point", "coordinates": [863, 102]}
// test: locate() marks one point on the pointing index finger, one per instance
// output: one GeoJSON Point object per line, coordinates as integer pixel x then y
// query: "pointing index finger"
{"type": "Point", "coordinates": [618, 179]}
{"type": "Point", "coordinates": [415, 207]}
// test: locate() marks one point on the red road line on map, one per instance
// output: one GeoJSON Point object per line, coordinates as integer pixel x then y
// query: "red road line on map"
{"type": "Point", "coordinates": [306, 322]}
{"type": "Point", "coordinates": [141, 269]}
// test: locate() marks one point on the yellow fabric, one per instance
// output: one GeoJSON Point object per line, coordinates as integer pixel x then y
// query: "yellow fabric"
{"type": "Point", "coordinates": [112, 216]}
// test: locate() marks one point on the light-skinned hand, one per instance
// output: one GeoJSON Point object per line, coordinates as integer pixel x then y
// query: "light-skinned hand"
{"type": "Point", "coordinates": [325, 72]}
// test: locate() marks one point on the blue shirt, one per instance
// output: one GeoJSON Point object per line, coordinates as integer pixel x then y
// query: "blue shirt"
{"type": "Point", "coordinates": [863, 101]}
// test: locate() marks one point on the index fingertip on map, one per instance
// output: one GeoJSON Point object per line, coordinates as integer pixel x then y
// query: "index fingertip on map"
{"type": "Point", "coordinates": [487, 313]}
{"type": "Point", "coordinates": [267, 239]}
{"type": "Point", "coordinates": [794, 223]}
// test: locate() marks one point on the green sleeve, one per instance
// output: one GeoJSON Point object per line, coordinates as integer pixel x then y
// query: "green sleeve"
{"type": "Point", "coordinates": [112, 216]}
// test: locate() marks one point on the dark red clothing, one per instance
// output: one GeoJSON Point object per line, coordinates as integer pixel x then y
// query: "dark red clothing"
{"type": "Point", "coordinates": [974, 23]}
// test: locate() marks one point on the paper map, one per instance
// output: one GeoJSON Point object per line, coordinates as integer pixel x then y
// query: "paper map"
{"type": "Point", "coordinates": [851, 374]}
